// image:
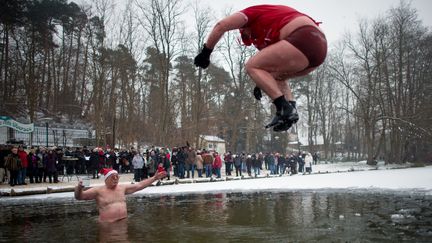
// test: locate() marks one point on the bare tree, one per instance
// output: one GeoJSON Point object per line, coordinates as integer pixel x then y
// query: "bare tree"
{"type": "Point", "coordinates": [202, 26]}
{"type": "Point", "coordinates": [160, 20]}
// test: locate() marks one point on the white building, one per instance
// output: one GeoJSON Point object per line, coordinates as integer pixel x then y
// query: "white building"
{"type": "Point", "coordinates": [212, 143]}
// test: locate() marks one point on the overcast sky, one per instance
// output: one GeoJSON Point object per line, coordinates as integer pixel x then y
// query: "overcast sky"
{"type": "Point", "coordinates": [337, 16]}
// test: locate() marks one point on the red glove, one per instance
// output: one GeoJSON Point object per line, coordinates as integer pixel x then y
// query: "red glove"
{"type": "Point", "coordinates": [160, 169]}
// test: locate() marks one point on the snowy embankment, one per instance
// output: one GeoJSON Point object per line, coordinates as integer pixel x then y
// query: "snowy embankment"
{"type": "Point", "coordinates": [351, 177]}
{"type": "Point", "coordinates": [419, 179]}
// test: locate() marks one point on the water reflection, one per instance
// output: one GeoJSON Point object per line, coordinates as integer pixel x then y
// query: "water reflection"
{"type": "Point", "coordinates": [237, 217]}
{"type": "Point", "coordinates": [113, 232]}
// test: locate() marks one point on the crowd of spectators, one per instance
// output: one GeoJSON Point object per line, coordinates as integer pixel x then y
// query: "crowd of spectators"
{"type": "Point", "coordinates": [274, 163]}
{"type": "Point", "coordinates": [20, 165]}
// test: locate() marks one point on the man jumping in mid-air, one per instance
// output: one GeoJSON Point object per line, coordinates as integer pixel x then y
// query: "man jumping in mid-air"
{"type": "Point", "coordinates": [291, 44]}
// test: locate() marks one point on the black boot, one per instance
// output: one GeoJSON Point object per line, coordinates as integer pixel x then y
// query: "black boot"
{"type": "Point", "coordinates": [288, 112]}
{"type": "Point", "coordinates": [285, 112]}
{"type": "Point", "coordinates": [283, 126]}
{"type": "Point", "coordinates": [288, 123]}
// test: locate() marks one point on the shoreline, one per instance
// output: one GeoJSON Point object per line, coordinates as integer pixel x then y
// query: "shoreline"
{"type": "Point", "coordinates": [347, 178]}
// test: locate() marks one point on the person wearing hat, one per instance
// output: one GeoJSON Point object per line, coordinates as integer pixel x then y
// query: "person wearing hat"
{"type": "Point", "coordinates": [110, 198]}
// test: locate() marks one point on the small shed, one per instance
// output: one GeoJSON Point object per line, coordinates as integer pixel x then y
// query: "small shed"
{"type": "Point", "coordinates": [212, 143]}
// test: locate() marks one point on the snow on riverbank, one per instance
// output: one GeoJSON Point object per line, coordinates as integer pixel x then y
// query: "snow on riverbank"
{"type": "Point", "coordinates": [391, 179]}
{"type": "Point", "coordinates": [362, 178]}
{"type": "Point", "coordinates": [356, 166]}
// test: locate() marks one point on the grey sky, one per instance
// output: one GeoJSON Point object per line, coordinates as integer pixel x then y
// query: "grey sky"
{"type": "Point", "coordinates": [337, 16]}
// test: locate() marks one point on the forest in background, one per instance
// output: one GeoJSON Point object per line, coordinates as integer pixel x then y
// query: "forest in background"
{"type": "Point", "coordinates": [130, 74]}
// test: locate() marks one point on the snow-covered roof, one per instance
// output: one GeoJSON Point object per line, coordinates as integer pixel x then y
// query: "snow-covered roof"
{"type": "Point", "coordinates": [212, 138]}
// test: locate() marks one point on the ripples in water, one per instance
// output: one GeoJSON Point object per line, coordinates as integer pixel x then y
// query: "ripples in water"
{"type": "Point", "coordinates": [234, 217]}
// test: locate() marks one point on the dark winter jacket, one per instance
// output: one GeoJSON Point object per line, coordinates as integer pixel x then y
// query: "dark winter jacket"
{"type": "Point", "coordinates": [50, 162]}
{"type": "Point", "coordinates": [13, 162]}
{"type": "Point", "coordinates": [238, 161]}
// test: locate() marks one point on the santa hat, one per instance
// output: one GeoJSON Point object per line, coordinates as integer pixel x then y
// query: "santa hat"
{"type": "Point", "coordinates": [107, 172]}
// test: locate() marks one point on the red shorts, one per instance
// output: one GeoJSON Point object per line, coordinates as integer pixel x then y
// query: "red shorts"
{"type": "Point", "coordinates": [311, 42]}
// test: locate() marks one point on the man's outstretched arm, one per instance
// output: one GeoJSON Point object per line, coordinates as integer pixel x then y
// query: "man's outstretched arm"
{"type": "Point", "coordinates": [80, 194]}
{"type": "Point", "coordinates": [145, 183]}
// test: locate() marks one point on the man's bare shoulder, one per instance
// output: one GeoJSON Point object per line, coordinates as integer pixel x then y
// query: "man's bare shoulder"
{"type": "Point", "coordinates": [98, 188]}
{"type": "Point", "coordinates": [94, 190]}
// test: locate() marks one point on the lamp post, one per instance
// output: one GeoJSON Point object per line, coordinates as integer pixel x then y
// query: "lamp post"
{"type": "Point", "coordinates": [46, 133]}
{"type": "Point", "coordinates": [46, 119]}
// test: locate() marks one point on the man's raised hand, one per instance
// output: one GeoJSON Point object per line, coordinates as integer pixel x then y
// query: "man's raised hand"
{"type": "Point", "coordinates": [160, 175]}
{"type": "Point", "coordinates": [202, 60]}
{"type": "Point", "coordinates": [257, 93]}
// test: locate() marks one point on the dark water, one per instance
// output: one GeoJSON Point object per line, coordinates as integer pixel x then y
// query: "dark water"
{"type": "Point", "coordinates": [305, 216]}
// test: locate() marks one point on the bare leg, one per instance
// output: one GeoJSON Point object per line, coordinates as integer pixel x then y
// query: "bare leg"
{"type": "Point", "coordinates": [280, 58]}
{"type": "Point", "coordinates": [268, 68]}
{"type": "Point", "coordinates": [286, 89]}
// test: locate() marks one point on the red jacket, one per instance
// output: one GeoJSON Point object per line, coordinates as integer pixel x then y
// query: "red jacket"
{"type": "Point", "coordinates": [23, 157]}
{"type": "Point", "coordinates": [265, 22]}
{"type": "Point", "coordinates": [217, 163]}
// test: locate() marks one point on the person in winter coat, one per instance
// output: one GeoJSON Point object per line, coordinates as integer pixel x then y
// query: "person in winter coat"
{"type": "Point", "coordinates": [166, 163]}
{"type": "Point", "coordinates": [217, 164]}
{"type": "Point", "coordinates": [256, 164]}
{"type": "Point", "coordinates": [190, 162]}
{"type": "Point", "coordinates": [174, 161]}
{"type": "Point", "coordinates": [308, 162]}
{"type": "Point", "coordinates": [32, 169]}
{"type": "Point", "coordinates": [4, 152]}
{"type": "Point", "coordinates": [22, 174]}
{"type": "Point", "coordinates": [51, 166]}
{"type": "Point", "coordinates": [301, 163]}
{"type": "Point", "coordinates": [151, 164]}
{"type": "Point", "coordinates": [94, 163]}
{"type": "Point", "coordinates": [13, 164]}
{"type": "Point", "coordinates": [138, 164]}
{"type": "Point", "coordinates": [110, 158]}
{"type": "Point", "coordinates": [237, 164]}
{"type": "Point", "coordinates": [41, 153]}
{"type": "Point", "coordinates": [208, 161]}
{"type": "Point", "coordinates": [199, 164]}
{"type": "Point", "coordinates": [292, 161]}
{"type": "Point", "coordinates": [249, 164]}
{"type": "Point", "coordinates": [181, 161]}
{"type": "Point", "coordinates": [281, 164]}
{"type": "Point", "coordinates": [228, 163]}
{"type": "Point", "coordinates": [270, 159]}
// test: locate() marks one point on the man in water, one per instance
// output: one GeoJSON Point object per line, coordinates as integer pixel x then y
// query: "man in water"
{"type": "Point", "coordinates": [110, 198]}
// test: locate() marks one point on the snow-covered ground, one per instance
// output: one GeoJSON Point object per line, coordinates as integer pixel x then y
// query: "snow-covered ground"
{"type": "Point", "coordinates": [355, 166]}
{"type": "Point", "coordinates": [381, 178]}
{"type": "Point", "coordinates": [418, 179]}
